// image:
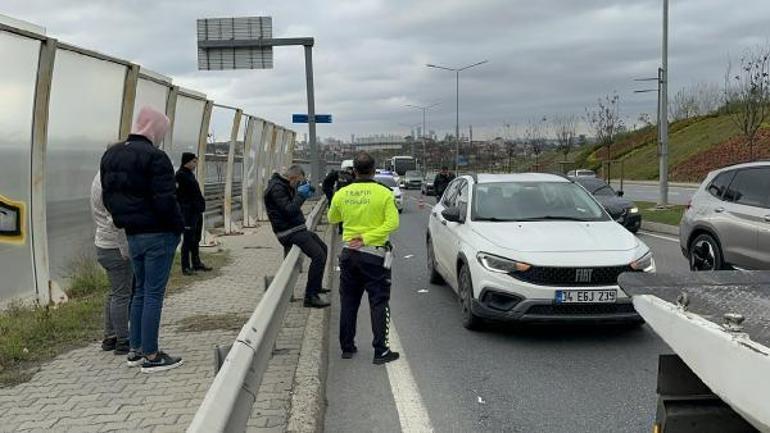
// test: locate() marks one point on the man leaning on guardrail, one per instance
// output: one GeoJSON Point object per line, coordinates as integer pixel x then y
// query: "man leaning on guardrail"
{"type": "Point", "coordinates": [369, 215]}
{"type": "Point", "coordinates": [284, 196]}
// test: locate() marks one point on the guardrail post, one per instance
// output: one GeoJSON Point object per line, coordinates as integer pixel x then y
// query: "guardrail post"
{"type": "Point", "coordinates": [129, 100]}
{"type": "Point", "coordinates": [228, 204]}
{"type": "Point", "coordinates": [173, 91]}
{"type": "Point", "coordinates": [245, 190]}
{"type": "Point", "coordinates": [259, 166]}
{"type": "Point", "coordinates": [200, 171]}
{"type": "Point", "coordinates": [38, 230]}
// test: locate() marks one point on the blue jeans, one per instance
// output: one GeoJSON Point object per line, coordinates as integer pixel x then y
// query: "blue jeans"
{"type": "Point", "coordinates": [152, 255]}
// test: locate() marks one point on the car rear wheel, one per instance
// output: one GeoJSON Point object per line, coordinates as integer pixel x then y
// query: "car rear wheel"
{"type": "Point", "coordinates": [434, 276]}
{"type": "Point", "coordinates": [705, 254]}
{"type": "Point", "coordinates": [465, 289]}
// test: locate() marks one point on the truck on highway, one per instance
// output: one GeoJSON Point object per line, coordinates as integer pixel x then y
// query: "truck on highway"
{"type": "Point", "coordinates": [718, 326]}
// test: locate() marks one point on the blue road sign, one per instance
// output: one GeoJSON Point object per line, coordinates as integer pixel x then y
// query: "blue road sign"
{"type": "Point", "coordinates": [303, 118]}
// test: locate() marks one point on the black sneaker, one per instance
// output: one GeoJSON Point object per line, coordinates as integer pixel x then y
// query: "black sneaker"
{"type": "Point", "coordinates": [135, 358]}
{"type": "Point", "coordinates": [386, 357]}
{"type": "Point", "coordinates": [162, 362]}
{"type": "Point", "coordinates": [315, 302]}
{"type": "Point", "coordinates": [322, 291]}
{"type": "Point", "coordinates": [121, 347]}
{"type": "Point", "coordinates": [348, 353]}
{"type": "Point", "coordinates": [203, 267]}
{"type": "Point", "coordinates": [108, 343]}
{"type": "Point", "coordinates": [188, 272]}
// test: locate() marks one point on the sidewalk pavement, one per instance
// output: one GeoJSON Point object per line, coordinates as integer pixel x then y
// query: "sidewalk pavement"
{"type": "Point", "coordinates": [88, 390]}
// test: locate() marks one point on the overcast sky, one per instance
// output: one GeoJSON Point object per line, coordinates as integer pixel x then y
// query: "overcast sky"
{"type": "Point", "coordinates": [546, 57]}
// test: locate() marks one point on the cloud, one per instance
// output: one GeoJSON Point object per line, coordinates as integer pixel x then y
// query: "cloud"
{"type": "Point", "coordinates": [547, 57]}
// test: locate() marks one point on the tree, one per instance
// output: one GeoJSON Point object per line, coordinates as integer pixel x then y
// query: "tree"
{"type": "Point", "coordinates": [747, 93]}
{"type": "Point", "coordinates": [698, 99]}
{"type": "Point", "coordinates": [533, 136]}
{"type": "Point", "coordinates": [565, 128]}
{"type": "Point", "coordinates": [606, 122]}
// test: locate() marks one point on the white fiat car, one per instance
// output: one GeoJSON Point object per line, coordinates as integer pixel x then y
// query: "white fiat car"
{"type": "Point", "coordinates": [531, 247]}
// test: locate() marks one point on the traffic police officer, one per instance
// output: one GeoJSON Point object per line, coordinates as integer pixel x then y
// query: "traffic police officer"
{"type": "Point", "coordinates": [369, 215]}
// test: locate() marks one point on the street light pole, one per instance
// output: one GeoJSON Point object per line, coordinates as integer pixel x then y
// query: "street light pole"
{"type": "Point", "coordinates": [424, 109]}
{"type": "Point", "coordinates": [457, 113]}
{"type": "Point", "coordinates": [663, 200]}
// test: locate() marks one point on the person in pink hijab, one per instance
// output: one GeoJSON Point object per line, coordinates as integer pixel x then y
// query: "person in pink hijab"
{"type": "Point", "coordinates": [139, 191]}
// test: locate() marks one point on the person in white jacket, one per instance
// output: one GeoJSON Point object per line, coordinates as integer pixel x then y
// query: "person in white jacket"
{"type": "Point", "coordinates": [112, 254]}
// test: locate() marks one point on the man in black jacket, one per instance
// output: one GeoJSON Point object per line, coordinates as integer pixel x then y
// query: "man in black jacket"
{"type": "Point", "coordinates": [139, 191]}
{"type": "Point", "coordinates": [188, 192]}
{"type": "Point", "coordinates": [284, 196]}
{"type": "Point", "coordinates": [441, 181]}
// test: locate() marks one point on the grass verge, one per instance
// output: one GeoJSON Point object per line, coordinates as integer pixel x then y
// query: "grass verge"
{"type": "Point", "coordinates": [32, 335]}
{"type": "Point", "coordinates": [671, 215]}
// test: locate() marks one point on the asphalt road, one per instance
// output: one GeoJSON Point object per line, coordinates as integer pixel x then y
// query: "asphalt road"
{"type": "Point", "coordinates": [649, 192]}
{"type": "Point", "coordinates": [504, 379]}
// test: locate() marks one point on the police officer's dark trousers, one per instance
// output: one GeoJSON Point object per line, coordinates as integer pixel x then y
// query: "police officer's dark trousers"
{"type": "Point", "coordinates": [362, 272]}
{"type": "Point", "coordinates": [313, 247]}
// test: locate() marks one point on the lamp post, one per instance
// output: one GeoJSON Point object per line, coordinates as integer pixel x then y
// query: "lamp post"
{"type": "Point", "coordinates": [457, 114]}
{"type": "Point", "coordinates": [424, 109]}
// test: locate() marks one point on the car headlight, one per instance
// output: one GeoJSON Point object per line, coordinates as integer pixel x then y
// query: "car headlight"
{"type": "Point", "coordinates": [633, 210]}
{"type": "Point", "coordinates": [646, 263]}
{"type": "Point", "coordinates": [500, 264]}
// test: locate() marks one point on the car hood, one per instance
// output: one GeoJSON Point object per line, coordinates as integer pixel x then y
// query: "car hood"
{"type": "Point", "coordinates": [557, 236]}
{"type": "Point", "coordinates": [614, 204]}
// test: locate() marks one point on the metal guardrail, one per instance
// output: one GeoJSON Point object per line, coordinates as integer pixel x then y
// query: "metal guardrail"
{"type": "Point", "coordinates": [228, 404]}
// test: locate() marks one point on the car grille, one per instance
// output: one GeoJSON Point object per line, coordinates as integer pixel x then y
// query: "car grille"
{"type": "Point", "coordinates": [572, 277]}
{"type": "Point", "coordinates": [580, 309]}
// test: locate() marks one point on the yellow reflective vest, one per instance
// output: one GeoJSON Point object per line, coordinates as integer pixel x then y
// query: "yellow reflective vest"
{"type": "Point", "coordinates": [367, 210]}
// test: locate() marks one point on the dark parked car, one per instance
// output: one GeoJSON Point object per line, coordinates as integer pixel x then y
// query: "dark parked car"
{"type": "Point", "coordinates": [622, 210]}
{"type": "Point", "coordinates": [427, 184]}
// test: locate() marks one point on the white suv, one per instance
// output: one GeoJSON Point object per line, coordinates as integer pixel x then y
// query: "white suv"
{"type": "Point", "coordinates": [531, 247]}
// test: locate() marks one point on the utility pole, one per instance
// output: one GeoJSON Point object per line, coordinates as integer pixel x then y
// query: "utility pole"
{"type": "Point", "coordinates": [663, 200]}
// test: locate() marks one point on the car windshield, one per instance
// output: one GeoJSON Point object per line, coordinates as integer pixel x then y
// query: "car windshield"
{"type": "Point", "coordinates": [388, 181]}
{"type": "Point", "coordinates": [534, 201]}
{"type": "Point", "coordinates": [413, 174]}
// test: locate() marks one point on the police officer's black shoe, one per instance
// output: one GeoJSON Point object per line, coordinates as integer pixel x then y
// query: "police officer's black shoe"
{"type": "Point", "coordinates": [386, 357]}
{"type": "Point", "coordinates": [348, 353]}
{"type": "Point", "coordinates": [315, 302]}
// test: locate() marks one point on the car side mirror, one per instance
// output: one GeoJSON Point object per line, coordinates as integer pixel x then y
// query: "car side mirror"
{"type": "Point", "coordinates": [452, 214]}
{"type": "Point", "coordinates": [621, 193]}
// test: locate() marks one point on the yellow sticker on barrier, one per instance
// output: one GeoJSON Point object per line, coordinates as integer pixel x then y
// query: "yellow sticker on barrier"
{"type": "Point", "coordinates": [13, 217]}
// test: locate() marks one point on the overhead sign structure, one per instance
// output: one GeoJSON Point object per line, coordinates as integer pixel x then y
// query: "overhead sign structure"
{"type": "Point", "coordinates": [227, 56]}
{"type": "Point", "coordinates": [247, 43]}
{"type": "Point", "coordinates": [304, 118]}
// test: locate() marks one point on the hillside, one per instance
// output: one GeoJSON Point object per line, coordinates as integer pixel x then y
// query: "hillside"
{"type": "Point", "coordinates": [696, 146]}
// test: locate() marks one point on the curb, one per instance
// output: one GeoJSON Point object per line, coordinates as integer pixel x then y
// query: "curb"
{"type": "Point", "coordinates": [308, 401]}
{"type": "Point", "coordinates": [666, 229]}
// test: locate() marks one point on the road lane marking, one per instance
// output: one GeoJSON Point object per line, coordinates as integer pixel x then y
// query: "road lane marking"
{"type": "Point", "coordinates": [654, 235]}
{"type": "Point", "coordinates": [412, 413]}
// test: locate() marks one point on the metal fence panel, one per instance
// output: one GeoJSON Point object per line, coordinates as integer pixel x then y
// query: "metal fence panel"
{"type": "Point", "coordinates": [17, 89]}
{"type": "Point", "coordinates": [85, 112]}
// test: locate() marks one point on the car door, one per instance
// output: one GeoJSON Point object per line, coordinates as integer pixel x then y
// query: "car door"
{"type": "Point", "coordinates": [456, 232]}
{"type": "Point", "coordinates": [763, 235]}
{"type": "Point", "coordinates": [440, 227]}
{"type": "Point", "coordinates": [745, 211]}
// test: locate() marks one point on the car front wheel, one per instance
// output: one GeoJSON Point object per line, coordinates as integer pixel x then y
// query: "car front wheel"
{"type": "Point", "coordinates": [465, 289]}
{"type": "Point", "coordinates": [705, 254]}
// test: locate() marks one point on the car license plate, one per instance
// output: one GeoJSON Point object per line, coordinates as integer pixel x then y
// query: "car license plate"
{"type": "Point", "coordinates": [586, 296]}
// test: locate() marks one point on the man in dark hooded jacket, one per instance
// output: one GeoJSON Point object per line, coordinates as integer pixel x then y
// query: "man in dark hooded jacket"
{"type": "Point", "coordinates": [193, 204]}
